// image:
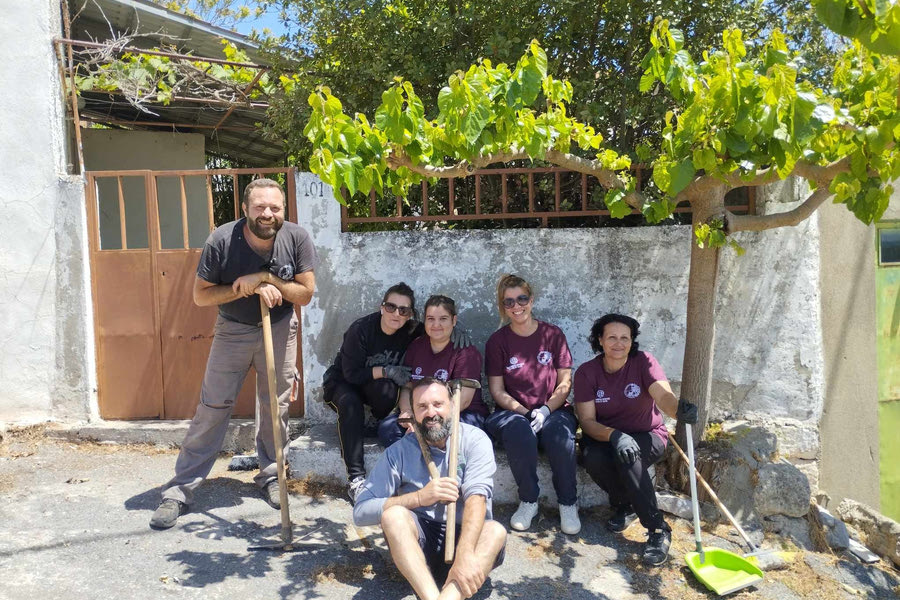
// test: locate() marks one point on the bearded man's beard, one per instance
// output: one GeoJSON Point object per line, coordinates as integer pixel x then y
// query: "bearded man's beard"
{"type": "Point", "coordinates": [435, 435]}
{"type": "Point", "coordinates": [264, 231]}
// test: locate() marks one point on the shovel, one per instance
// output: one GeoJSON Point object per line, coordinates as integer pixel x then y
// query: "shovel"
{"type": "Point", "coordinates": [285, 544]}
{"type": "Point", "coordinates": [719, 570]}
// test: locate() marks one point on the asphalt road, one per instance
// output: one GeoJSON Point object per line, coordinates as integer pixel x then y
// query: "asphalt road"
{"type": "Point", "coordinates": [74, 524]}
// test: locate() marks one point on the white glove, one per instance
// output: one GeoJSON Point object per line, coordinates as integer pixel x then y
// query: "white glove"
{"type": "Point", "coordinates": [538, 416]}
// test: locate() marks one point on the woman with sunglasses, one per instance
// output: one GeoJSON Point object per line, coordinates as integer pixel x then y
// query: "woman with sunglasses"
{"type": "Point", "coordinates": [620, 398]}
{"type": "Point", "coordinates": [529, 370]}
{"type": "Point", "coordinates": [368, 370]}
{"type": "Point", "coordinates": [434, 355]}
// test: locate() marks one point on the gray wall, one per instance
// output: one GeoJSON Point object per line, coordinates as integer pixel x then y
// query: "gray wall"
{"type": "Point", "coordinates": [769, 364]}
{"type": "Point", "coordinates": [108, 150]}
{"type": "Point", "coordinates": [849, 428]}
{"type": "Point", "coordinates": [46, 367]}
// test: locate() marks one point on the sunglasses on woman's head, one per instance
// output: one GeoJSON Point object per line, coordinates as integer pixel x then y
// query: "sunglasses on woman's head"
{"type": "Point", "coordinates": [520, 300]}
{"type": "Point", "coordinates": [404, 311]}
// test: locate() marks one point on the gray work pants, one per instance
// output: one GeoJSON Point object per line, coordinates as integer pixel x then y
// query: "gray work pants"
{"type": "Point", "coordinates": [234, 349]}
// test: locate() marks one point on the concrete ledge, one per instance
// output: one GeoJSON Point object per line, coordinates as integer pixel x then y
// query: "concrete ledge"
{"type": "Point", "coordinates": [314, 452]}
{"type": "Point", "coordinates": [240, 437]}
{"type": "Point", "coordinates": [317, 452]}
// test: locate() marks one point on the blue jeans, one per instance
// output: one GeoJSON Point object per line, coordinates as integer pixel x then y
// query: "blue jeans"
{"type": "Point", "coordinates": [556, 439]}
{"type": "Point", "coordinates": [389, 430]}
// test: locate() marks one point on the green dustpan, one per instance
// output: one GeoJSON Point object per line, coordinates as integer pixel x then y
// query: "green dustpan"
{"type": "Point", "coordinates": [722, 571]}
{"type": "Point", "coordinates": [719, 570]}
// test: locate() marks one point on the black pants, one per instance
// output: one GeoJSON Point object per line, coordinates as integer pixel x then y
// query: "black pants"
{"type": "Point", "coordinates": [627, 484]}
{"type": "Point", "coordinates": [348, 400]}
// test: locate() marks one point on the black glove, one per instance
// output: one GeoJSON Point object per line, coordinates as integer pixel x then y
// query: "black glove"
{"type": "Point", "coordinates": [627, 450]}
{"type": "Point", "coordinates": [398, 374]}
{"type": "Point", "coordinates": [459, 337]}
{"type": "Point", "coordinates": [687, 412]}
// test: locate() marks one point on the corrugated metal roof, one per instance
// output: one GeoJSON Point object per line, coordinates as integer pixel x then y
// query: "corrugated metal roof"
{"type": "Point", "coordinates": [239, 137]}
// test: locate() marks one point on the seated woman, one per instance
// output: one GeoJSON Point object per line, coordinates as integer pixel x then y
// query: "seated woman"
{"type": "Point", "coordinates": [618, 399]}
{"type": "Point", "coordinates": [528, 365]}
{"type": "Point", "coordinates": [367, 370]}
{"type": "Point", "coordinates": [433, 355]}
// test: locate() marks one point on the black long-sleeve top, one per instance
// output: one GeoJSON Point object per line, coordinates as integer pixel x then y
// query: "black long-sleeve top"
{"type": "Point", "coordinates": [365, 346]}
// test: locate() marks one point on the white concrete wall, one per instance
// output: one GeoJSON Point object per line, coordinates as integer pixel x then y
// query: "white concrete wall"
{"type": "Point", "coordinates": [768, 355]}
{"type": "Point", "coordinates": [47, 360]}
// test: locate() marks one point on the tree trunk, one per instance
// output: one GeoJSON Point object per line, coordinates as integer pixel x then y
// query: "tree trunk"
{"type": "Point", "coordinates": [696, 372]}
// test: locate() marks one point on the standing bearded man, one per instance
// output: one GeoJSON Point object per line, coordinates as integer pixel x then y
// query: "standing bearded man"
{"type": "Point", "coordinates": [412, 509]}
{"type": "Point", "coordinates": [259, 255]}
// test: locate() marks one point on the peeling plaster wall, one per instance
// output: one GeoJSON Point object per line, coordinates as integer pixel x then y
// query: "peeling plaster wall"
{"type": "Point", "coordinates": [47, 355]}
{"type": "Point", "coordinates": [850, 459]}
{"type": "Point", "coordinates": [769, 357]}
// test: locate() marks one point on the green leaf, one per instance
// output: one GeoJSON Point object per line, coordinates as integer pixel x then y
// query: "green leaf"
{"type": "Point", "coordinates": [681, 174]}
{"type": "Point", "coordinates": [859, 165]}
{"type": "Point", "coordinates": [736, 145]}
{"type": "Point", "coordinates": [615, 203]}
{"type": "Point", "coordinates": [824, 113]}
{"type": "Point", "coordinates": [474, 122]}
{"type": "Point", "coordinates": [704, 158]}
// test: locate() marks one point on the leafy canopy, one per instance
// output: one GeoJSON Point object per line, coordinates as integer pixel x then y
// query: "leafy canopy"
{"type": "Point", "coordinates": [874, 23]}
{"type": "Point", "coordinates": [736, 115]}
{"type": "Point", "coordinates": [486, 111]}
{"type": "Point", "coordinates": [357, 47]}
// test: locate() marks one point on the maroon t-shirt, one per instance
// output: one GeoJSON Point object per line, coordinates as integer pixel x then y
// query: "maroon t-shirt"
{"type": "Point", "coordinates": [447, 364]}
{"type": "Point", "coordinates": [621, 399]}
{"type": "Point", "coordinates": [528, 364]}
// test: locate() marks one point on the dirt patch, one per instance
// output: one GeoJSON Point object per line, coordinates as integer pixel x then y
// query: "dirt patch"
{"type": "Point", "coordinates": [94, 447]}
{"type": "Point", "coordinates": [7, 483]}
{"type": "Point", "coordinates": [316, 487]}
{"type": "Point", "coordinates": [541, 549]}
{"type": "Point", "coordinates": [807, 583]}
{"type": "Point", "coordinates": [19, 442]}
{"type": "Point", "coordinates": [343, 573]}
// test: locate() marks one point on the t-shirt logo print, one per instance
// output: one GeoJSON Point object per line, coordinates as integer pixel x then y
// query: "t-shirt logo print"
{"type": "Point", "coordinates": [601, 397]}
{"type": "Point", "coordinates": [632, 390]}
{"type": "Point", "coordinates": [442, 374]}
{"type": "Point", "coordinates": [285, 272]}
{"type": "Point", "coordinates": [544, 357]}
{"type": "Point", "coordinates": [514, 364]}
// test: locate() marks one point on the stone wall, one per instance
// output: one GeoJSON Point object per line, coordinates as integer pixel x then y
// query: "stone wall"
{"type": "Point", "coordinates": [768, 362]}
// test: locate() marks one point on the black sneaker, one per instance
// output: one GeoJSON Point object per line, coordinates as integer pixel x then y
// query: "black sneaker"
{"type": "Point", "coordinates": [272, 494]}
{"type": "Point", "coordinates": [167, 513]}
{"type": "Point", "coordinates": [621, 519]}
{"type": "Point", "coordinates": [656, 551]}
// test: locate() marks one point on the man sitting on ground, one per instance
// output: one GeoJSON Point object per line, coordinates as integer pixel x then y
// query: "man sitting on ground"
{"type": "Point", "coordinates": [412, 510]}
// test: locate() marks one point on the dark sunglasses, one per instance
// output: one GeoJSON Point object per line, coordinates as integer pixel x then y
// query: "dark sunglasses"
{"type": "Point", "coordinates": [520, 300]}
{"type": "Point", "coordinates": [404, 311]}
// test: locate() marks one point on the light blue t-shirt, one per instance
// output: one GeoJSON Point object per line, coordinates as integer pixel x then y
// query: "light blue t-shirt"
{"type": "Point", "coordinates": [401, 470]}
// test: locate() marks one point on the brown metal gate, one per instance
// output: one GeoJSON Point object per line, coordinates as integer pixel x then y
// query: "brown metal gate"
{"type": "Point", "coordinates": [146, 231]}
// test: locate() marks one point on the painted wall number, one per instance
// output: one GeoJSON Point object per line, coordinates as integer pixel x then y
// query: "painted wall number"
{"type": "Point", "coordinates": [314, 188]}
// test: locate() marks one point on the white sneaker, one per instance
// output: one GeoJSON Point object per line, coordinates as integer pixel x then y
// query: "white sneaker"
{"type": "Point", "coordinates": [568, 519]}
{"type": "Point", "coordinates": [521, 519]}
{"type": "Point", "coordinates": [355, 488]}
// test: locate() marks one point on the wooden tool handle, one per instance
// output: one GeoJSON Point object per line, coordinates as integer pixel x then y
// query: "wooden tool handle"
{"type": "Point", "coordinates": [713, 495]}
{"type": "Point", "coordinates": [453, 461]}
{"type": "Point", "coordinates": [286, 529]}
{"type": "Point", "coordinates": [426, 455]}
